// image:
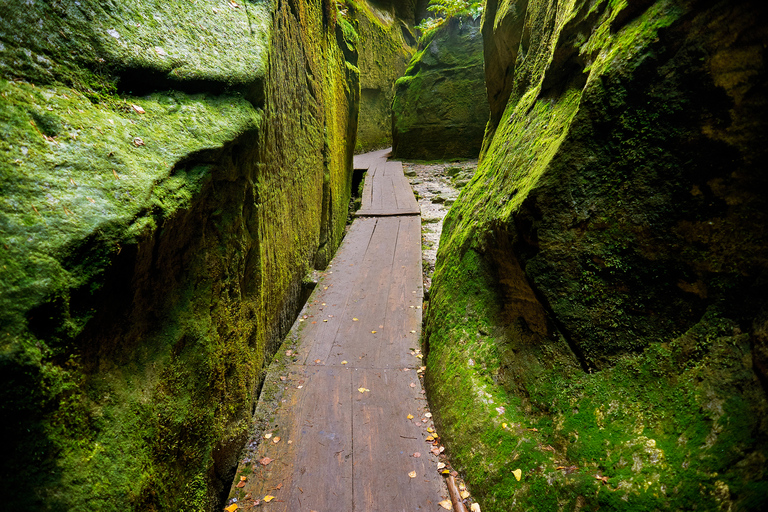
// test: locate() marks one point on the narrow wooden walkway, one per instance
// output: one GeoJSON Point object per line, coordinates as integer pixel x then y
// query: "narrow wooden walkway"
{"type": "Point", "coordinates": [346, 408]}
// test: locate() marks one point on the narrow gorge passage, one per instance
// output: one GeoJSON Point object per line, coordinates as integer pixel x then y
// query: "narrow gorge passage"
{"type": "Point", "coordinates": [344, 410]}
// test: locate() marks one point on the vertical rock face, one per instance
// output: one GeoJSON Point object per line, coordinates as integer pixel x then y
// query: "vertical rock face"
{"type": "Point", "coordinates": [170, 171]}
{"type": "Point", "coordinates": [385, 46]}
{"type": "Point", "coordinates": [599, 300]}
{"type": "Point", "coordinates": [440, 107]}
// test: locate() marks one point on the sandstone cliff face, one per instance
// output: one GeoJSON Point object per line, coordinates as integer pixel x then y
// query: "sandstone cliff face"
{"type": "Point", "coordinates": [385, 46]}
{"type": "Point", "coordinates": [440, 107]}
{"type": "Point", "coordinates": [170, 171]}
{"type": "Point", "coordinates": [600, 293]}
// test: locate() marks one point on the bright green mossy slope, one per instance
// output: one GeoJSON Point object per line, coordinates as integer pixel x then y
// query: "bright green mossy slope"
{"type": "Point", "coordinates": [598, 315]}
{"type": "Point", "coordinates": [169, 173]}
{"type": "Point", "coordinates": [386, 44]}
{"type": "Point", "coordinates": [440, 107]}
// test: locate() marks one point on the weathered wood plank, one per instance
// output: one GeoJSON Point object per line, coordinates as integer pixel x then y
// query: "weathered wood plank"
{"type": "Point", "coordinates": [385, 442]}
{"type": "Point", "coordinates": [352, 450]}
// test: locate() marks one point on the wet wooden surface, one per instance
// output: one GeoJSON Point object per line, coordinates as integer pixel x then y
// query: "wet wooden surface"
{"type": "Point", "coordinates": [340, 397]}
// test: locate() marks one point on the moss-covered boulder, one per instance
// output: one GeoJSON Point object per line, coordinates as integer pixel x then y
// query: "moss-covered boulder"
{"type": "Point", "coordinates": [169, 173]}
{"type": "Point", "coordinates": [385, 46]}
{"type": "Point", "coordinates": [598, 310]}
{"type": "Point", "coordinates": [440, 107]}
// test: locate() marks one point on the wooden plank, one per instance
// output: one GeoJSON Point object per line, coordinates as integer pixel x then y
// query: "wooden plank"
{"type": "Point", "coordinates": [366, 160]}
{"type": "Point", "coordinates": [322, 465]}
{"type": "Point", "coordinates": [357, 343]}
{"type": "Point", "coordinates": [330, 301]}
{"type": "Point", "coordinates": [350, 450]}
{"type": "Point", "coordinates": [314, 470]}
{"type": "Point", "coordinates": [385, 441]}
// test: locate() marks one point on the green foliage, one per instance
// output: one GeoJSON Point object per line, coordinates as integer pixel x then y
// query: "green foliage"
{"type": "Point", "coordinates": [449, 9]}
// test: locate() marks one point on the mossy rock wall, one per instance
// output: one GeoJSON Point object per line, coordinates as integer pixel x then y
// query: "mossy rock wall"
{"type": "Point", "coordinates": [598, 311]}
{"type": "Point", "coordinates": [169, 172]}
{"type": "Point", "coordinates": [440, 107]}
{"type": "Point", "coordinates": [386, 45]}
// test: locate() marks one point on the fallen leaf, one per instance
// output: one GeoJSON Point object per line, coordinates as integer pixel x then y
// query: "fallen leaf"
{"type": "Point", "coordinates": [504, 426]}
{"type": "Point", "coordinates": [603, 479]}
{"type": "Point", "coordinates": [416, 454]}
{"type": "Point", "coordinates": [138, 109]}
{"type": "Point", "coordinates": [279, 486]}
{"type": "Point", "coordinates": [500, 409]}
{"type": "Point", "coordinates": [276, 440]}
{"type": "Point", "coordinates": [435, 452]}
{"type": "Point", "coordinates": [363, 390]}
{"type": "Point", "coordinates": [267, 436]}
{"type": "Point", "coordinates": [354, 319]}
{"type": "Point", "coordinates": [289, 352]}
{"type": "Point", "coordinates": [440, 465]}
{"type": "Point", "coordinates": [343, 362]}
{"type": "Point", "coordinates": [413, 384]}
{"type": "Point", "coordinates": [430, 430]}
{"type": "Point", "coordinates": [240, 485]}
{"type": "Point", "coordinates": [317, 361]}
{"type": "Point", "coordinates": [427, 414]}
{"type": "Point", "coordinates": [325, 320]}
{"type": "Point", "coordinates": [268, 498]}
{"type": "Point", "coordinates": [265, 460]}
{"type": "Point", "coordinates": [518, 474]}
{"type": "Point", "coordinates": [138, 141]}
{"type": "Point", "coordinates": [419, 355]}
{"type": "Point", "coordinates": [412, 474]}
{"type": "Point", "coordinates": [231, 508]}
{"type": "Point", "coordinates": [445, 472]}
{"type": "Point", "coordinates": [464, 494]}
{"type": "Point", "coordinates": [475, 507]}
{"type": "Point", "coordinates": [446, 504]}
{"type": "Point", "coordinates": [429, 439]}
{"type": "Point", "coordinates": [381, 327]}
{"type": "Point", "coordinates": [412, 331]}
{"type": "Point", "coordinates": [373, 332]}
{"type": "Point", "coordinates": [410, 416]}
{"type": "Point", "coordinates": [243, 478]}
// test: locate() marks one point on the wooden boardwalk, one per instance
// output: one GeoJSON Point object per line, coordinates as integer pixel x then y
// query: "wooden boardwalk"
{"type": "Point", "coordinates": [344, 405]}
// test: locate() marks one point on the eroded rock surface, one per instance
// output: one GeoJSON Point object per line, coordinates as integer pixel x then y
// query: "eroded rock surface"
{"type": "Point", "coordinates": [386, 45]}
{"type": "Point", "coordinates": [597, 315]}
{"type": "Point", "coordinates": [170, 171]}
{"type": "Point", "coordinates": [440, 107]}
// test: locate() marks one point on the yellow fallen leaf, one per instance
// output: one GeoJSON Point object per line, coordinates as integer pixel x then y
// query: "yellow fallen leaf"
{"type": "Point", "coordinates": [410, 416]}
{"type": "Point", "coordinates": [504, 425]}
{"type": "Point", "coordinates": [412, 474]}
{"type": "Point", "coordinates": [363, 390]}
{"type": "Point", "coordinates": [267, 436]}
{"type": "Point", "coordinates": [232, 507]}
{"type": "Point", "coordinates": [268, 498]}
{"type": "Point", "coordinates": [354, 319]}
{"type": "Point", "coordinates": [430, 438]}
{"type": "Point", "coordinates": [430, 430]}
{"type": "Point", "coordinates": [412, 331]}
{"type": "Point", "coordinates": [518, 474]}
{"type": "Point", "coordinates": [446, 504]}
{"type": "Point", "coordinates": [464, 494]}
{"type": "Point", "coordinates": [373, 332]}
{"type": "Point", "coordinates": [420, 356]}
{"type": "Point", "coordinates": [475, 507]}
{"type": "Point", "coordinates": [243, 478]}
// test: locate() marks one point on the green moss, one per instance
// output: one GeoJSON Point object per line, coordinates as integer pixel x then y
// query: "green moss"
{"type": "Point", "coordinates": [440, 107]}
{"type": "Point", "coordinates": [584, 293]}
